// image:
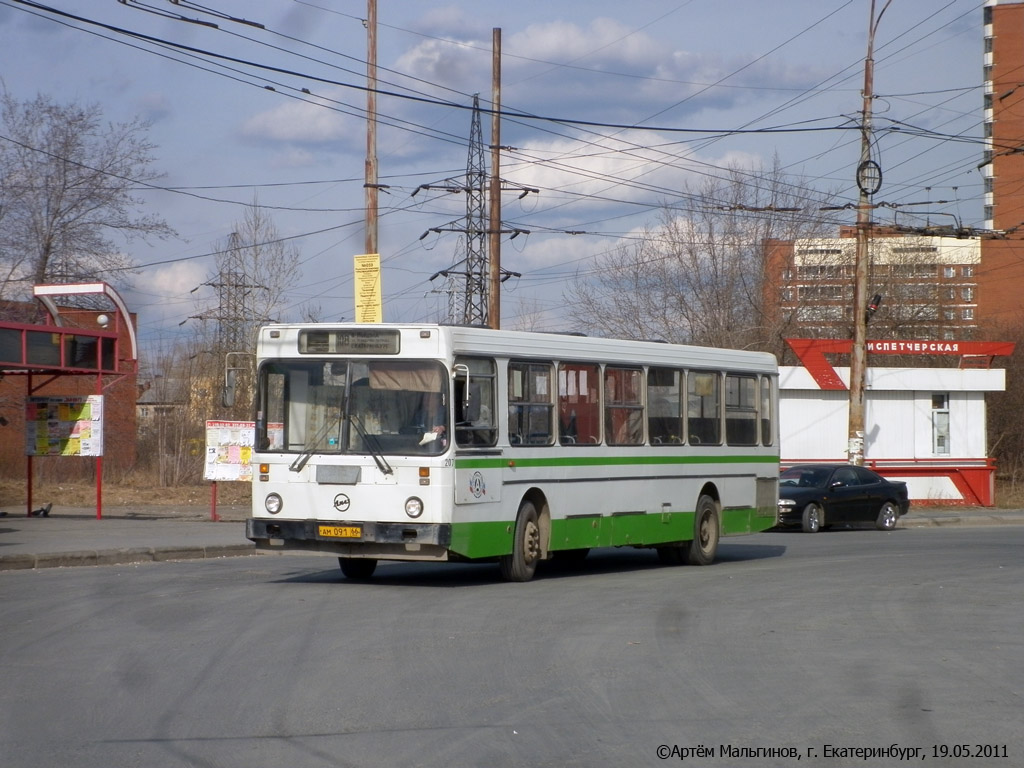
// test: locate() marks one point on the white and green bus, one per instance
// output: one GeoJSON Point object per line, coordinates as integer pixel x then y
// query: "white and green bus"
{"type": "Point", "coordinates": [446, 443]}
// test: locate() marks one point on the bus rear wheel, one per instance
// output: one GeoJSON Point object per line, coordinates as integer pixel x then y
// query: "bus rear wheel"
{"type": "Point", "coordinates": [706, 532]}
{"type": "Point", "coordinates": [521, 565]}
{"type": "Point", "coordinates": [357, 568]}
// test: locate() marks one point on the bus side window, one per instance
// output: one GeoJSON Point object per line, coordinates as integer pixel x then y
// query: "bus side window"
{"type": "Point", "coordinates": [623, 406]}
{"type": "Point", "coordinates": [529, 404]}
{"type": "Point", "coordinates": [664, 406]}
{"type": "Point", "coordinates": [475, 408]}
{"type": "Point", "coordinates": [741, 401]}
{"type": "Point", "coordinates": [579, 404]}
{"type": "Point", "coordinates": [704, 408]}
{"type": "Point", "coordinates": [767, 417]}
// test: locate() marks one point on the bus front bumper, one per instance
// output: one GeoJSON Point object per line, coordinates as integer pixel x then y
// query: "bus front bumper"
{"type": "Point", "coordinates": [385, 541]}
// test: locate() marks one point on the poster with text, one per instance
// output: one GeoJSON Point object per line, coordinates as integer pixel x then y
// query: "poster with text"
{"type": "Point", "coordinates": [67, 425]}
{"type": "Point", "coordinates": [229, 450]}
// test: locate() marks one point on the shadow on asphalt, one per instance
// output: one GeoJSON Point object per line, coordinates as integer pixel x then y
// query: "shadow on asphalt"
{"type": "Point", "coordinates": [598, 562]}
{"type": "Point", "coordinates": [838, 528]}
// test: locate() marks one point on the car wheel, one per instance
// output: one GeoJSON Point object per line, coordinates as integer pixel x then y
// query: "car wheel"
{"type": "Point", "coordinates": [357, 568]}
{"type": "Point", "coordinates": [887, 517]}
{"type": "Point", "coordinates": [812, 518]}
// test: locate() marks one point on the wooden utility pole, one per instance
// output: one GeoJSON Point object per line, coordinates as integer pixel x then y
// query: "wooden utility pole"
{"type": "Point", "coordinates": [370, 183]}
{"type": "Point", "coordinates": [868, 180]}
{"type": "Point", "coordinates": [494, 223]}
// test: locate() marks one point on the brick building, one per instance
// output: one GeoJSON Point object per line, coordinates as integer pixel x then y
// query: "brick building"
{"type": "Point", "coordinates": [928, 285]}
{"type": "Point", "coordinates": [90, 352]}
{"type": "Point", "coordinates": [932, 287]}
{"type": "Point", "coordinates": [1001, 272]}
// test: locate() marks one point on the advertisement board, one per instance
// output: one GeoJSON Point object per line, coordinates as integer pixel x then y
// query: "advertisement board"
{"type": "Point", "coordinates": [229, 450]}
{"type": "Point", "coordinates": [67, 425]}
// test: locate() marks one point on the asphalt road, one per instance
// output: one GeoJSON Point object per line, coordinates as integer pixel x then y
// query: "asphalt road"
{"type": "Point", "coordinates": [844, 640]}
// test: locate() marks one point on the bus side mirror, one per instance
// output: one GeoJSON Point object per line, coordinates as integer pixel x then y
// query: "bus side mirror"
{"type": "Point", "coordinates": [230, 385]}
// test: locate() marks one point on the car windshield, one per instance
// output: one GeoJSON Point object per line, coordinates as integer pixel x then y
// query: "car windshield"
{"type": "Point", "coordinates": [805, 477]}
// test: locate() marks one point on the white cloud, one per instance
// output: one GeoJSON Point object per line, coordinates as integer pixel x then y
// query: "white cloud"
{"type": "Point", "coordinates": [161, 296]}
{"type": "Point", "coordinates": [607, 166]}
{"type": "Point", "coordinates": [452, 65]}
{"type": "Point", "coordinates": [563, 41]}
{"type": "Point", "coordinates": [304, 122]}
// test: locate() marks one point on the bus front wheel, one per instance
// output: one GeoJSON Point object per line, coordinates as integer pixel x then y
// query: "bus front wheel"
{"type": "Point", "coordinates": [522, 563]}
{"type": "Point", "coordinates": [357, 567]}
{"type": "Point", "coordinates": [706, 532]}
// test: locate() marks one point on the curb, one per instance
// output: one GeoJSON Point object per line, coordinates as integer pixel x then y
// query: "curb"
{"type": "Point", "coordinates": [962, 522]}
{"type": "Point", "coordinates": [123, 556]}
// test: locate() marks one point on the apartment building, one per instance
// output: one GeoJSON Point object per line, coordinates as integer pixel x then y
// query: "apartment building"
{"type": "Point", "coordinates": [1001, 272]}
{"type": "Point", "coordinates": [926, 286]}
{"type": "Point", "coordinates": [931, 287]}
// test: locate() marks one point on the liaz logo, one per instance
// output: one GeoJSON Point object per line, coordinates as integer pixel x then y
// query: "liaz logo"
{"type": "Point", "coordinates": [477, 486]}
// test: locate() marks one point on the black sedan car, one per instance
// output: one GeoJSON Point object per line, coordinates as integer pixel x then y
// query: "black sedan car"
{"type": "Point", "coordinates": [815, 496]}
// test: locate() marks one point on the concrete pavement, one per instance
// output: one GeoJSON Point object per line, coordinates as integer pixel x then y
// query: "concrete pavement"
{"type": "Point", "coordinates": [74, 536]}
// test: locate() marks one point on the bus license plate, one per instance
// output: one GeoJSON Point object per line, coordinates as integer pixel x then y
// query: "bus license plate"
{"type": "Point", "coordinates": [341, 531]}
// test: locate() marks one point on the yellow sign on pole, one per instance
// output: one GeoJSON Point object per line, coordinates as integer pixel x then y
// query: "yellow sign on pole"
{"type": "Point", "coordinates": [367, 288]}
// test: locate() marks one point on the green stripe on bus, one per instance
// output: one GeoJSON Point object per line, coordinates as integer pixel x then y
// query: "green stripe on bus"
{"type": "Point", "coordinates": [605, 461]}
{"type": "Point", "coordinates": [490, 539]}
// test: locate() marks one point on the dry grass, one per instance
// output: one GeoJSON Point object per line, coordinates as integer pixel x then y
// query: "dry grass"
{"type": "Point", "coordinates": [1009, 496]}
{"type": "Point", "coordinates": [121, 494]}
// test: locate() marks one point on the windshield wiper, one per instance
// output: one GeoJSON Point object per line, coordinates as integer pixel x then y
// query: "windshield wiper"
{"type": "Point", "coordinates": [370, 441]}
{"type": "Point", "coordinates": [372, 445]}
{"type": "Point", "coordinates": [307, 454]}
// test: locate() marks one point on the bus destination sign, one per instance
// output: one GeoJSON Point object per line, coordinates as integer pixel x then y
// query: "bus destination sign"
{"type": "Point", "coordinates": [361, 341]}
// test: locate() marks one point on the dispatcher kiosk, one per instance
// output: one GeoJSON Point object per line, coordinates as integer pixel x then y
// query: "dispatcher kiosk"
{"type": "Point", "coordinates": [925, 426]}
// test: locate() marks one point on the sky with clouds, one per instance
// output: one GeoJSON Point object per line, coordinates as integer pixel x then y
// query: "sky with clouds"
{"type": "Point", "coordinates": [611, 108]}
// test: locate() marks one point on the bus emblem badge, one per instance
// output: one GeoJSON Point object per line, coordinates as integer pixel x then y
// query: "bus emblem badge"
{"type": "Point", "coordinates": [477, 486]}
{"type": "Point", "coordinates": [342, 502]}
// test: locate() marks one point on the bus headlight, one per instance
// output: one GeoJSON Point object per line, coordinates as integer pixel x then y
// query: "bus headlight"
{"type": "Point", "coordinates": [273, 503]}
{"type": "Point", "coordinates": [413, 507]}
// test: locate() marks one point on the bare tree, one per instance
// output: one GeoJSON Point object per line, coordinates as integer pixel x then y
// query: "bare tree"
{"type": "Point", "coordinates": [911, 274]}
{"type": "Point", "coordinates": [529, 316]}
{"type": "Point", "coordinates": [699, 277]}
{"type": "Point", "coordinates": [255, 269]}
{"type": "Point", "coordinates": [1005, 426]}
{"type": "Point", "coordinates": [181, 390]}
{"type": "Point", "coordinates": [66, 185]}
{"type": "Point", "coordinates": [918, 281]}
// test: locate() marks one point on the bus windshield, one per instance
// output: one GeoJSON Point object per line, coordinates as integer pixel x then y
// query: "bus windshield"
{"type": "Point", "coordinates": [353, 407]}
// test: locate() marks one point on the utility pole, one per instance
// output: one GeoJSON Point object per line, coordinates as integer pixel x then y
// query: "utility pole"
{"type": "Point", "coordinates": [370, 183]}
{"type": "Point", "coordinates": [494, 223]}
{"type": "Point", "coordinates": [869, 178]}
